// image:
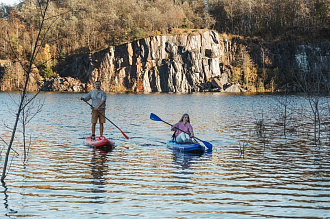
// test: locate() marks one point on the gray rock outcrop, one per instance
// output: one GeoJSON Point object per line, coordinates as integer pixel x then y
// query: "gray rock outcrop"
{"type": "Point", "coordinates": [178, 63]}
{"type": "Point", "coordinates": [192, 61]}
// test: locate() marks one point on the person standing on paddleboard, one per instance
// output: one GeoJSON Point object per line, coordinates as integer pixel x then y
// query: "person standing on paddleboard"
{"type": "Point", "coordinates": [98, 97]}
{"type": "Point", "coordinates": [184, 125]}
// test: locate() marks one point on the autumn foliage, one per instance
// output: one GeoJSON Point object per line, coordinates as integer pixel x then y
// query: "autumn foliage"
{"type": "Point", "coordinates": [85, 26]}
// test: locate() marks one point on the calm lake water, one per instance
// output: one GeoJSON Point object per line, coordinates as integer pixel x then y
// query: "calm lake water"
{"type": "Point", "coordinates": [249, 174]}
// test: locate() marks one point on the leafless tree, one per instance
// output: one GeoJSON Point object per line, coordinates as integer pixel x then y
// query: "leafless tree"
{"type": "Point", "coordinates": [28, 113]}
{"type": "Point", "coordinates": [24, 102]}
{"type": "Point", "coordinates": [315, 85]}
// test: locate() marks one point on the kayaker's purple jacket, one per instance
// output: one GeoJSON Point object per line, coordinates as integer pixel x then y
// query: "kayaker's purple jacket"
{"type": "Point", "coordinates": [187, 128]}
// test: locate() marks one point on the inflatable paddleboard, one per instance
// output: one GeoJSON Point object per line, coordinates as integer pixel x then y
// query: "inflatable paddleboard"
{"type": "Point", "coordinates": [99, 141]}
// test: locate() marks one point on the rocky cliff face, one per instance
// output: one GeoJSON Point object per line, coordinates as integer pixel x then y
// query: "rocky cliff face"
{"type": "Point", "coordinates": [187, 62]}
{"type": "Point", "coordinates": [313, 57]}
{"type": "Point", "coordinates": [180, 63]}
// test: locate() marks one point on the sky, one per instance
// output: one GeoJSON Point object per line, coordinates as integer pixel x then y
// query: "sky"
{"type": "Point", "coordinates": [9, 2]}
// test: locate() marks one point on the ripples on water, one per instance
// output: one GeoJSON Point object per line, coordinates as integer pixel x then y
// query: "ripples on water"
{"type": "Point", "coordinates": [276, 177]}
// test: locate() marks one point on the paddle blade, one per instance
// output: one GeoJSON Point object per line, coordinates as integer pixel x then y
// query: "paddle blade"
{"type": "Point", "coordinates": [208, 145]}
{"type": "Point", "coordinates": [124, 134]}
{"type": "Point", "coordinates": [155, 118]}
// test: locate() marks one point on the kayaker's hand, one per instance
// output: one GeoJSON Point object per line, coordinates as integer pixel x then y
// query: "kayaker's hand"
{"type": "Point", "coordinates": [82, 99]}
{"type": "Point", "coordinates": [96, 108]}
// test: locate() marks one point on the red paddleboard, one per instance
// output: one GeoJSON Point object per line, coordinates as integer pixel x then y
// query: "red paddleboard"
{"type": "Point", "coordinates": [99, 141]}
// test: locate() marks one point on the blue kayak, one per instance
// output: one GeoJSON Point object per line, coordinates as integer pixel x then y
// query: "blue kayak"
{"type": "Point", "coordinates": [185, 147]}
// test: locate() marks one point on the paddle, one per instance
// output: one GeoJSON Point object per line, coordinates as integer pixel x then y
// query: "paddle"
{"type": "Point", "coordinates": [109, 121]}
{"type": "Point", "coordinates": [156, 118]}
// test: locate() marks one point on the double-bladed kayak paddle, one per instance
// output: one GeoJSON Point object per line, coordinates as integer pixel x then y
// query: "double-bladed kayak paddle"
{"type": "Point", "coordinates": [156, 118]}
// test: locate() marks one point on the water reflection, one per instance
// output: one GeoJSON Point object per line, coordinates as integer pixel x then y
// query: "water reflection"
{"type": "Point", "coordinates": [6, 198]}
{"type": "Point", "coordinates": [184, 160]}
{"type": "Point", "coordinates": [99, 169]}
{"type": "Point", "coordinates": [282, 178]}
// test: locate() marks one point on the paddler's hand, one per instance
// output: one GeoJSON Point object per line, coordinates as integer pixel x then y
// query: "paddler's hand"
{"type": "Point", "coordinates": [82, 99]}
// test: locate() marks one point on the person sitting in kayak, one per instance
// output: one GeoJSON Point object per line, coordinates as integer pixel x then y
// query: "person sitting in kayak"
{"type": "Point", "coordinates": [98, 97]}
{"type": "Point", "coordinates": [185, 126]}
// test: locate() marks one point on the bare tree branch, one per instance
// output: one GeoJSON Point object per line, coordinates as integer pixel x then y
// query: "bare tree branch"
{"type": "Point", "coordinates": [23, 96]}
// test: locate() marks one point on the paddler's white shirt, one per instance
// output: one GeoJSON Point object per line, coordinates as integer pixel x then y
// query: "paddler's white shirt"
{"type": "Point", "coordinates": [97, 96]}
